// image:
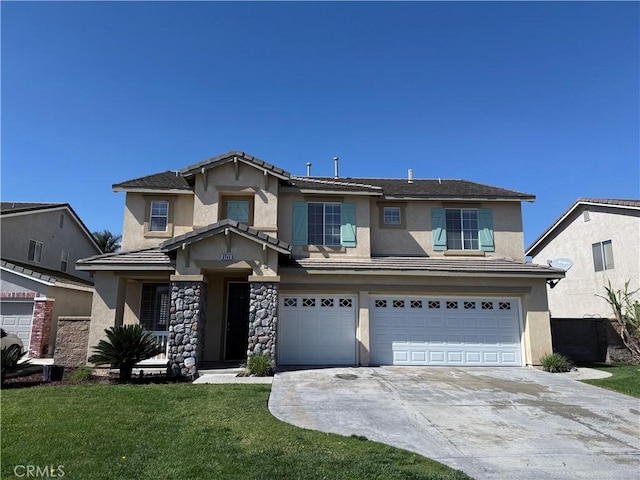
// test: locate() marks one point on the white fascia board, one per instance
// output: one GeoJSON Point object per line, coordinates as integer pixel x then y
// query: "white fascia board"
{"type": "Point", "coordinates": [423, 273]}
{"type": "Point", "coordinates": [24, 275]}
{"type": "Point", "coordinates": [155, 191]}
{"type": "Point", "coordinates": [121, 267]}
{"type": "Point", "coordinates": [459, 199]}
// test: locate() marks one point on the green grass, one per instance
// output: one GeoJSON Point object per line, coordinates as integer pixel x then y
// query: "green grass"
{"type": "Point", "coordinates": [185, 432]}
{"type": "Point", "coordinates": [625, 379]}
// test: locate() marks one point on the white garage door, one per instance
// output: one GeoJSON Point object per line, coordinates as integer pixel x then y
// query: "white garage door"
{"type": "Point", "coordinates": [16, 317]}
{"type": "Point", "coordinates": [317, 330]}
{"type": "Point", "coordinates": [416, 330]}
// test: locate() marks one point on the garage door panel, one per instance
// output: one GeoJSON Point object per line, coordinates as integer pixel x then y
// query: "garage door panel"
{"type": "Point", "coordinates": [17, 318]}
{"type": "Point", "coordinates": [449, 331]}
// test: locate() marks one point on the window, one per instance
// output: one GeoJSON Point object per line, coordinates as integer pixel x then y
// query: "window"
{"type": "Point", "coordinates": [324, 224]}
{"type": "Point", "coordinates": [391, 215]}
{"type": "Point", "coordinates": [239, 209]}
{"type": "Point", "coordinates": [154, 310]}
{"type": "Point", "coordinates": [61, 221]}
{"type": "Point", "coordinates": [159, 219]}
{"type": "Point", "coordinates": [602, 256]}
{"type": "Point", "coordinates": [462, 229]}
{"type": "Point", "coordinates": [35, 251]}
{"type": "Point", "coordinates": [64, 259]}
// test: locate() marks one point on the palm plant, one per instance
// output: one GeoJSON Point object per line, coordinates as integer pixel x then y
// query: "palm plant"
{"type": "Point", "coordinates": [10, 358]}
{"type": "Point", "coordinates": [107, 241]}
{"type": "Point", "coordinates": [125, 346]}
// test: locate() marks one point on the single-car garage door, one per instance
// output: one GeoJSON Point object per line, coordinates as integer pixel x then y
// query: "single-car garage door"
{"type": "Point", "coordinates": [16, 317]}
{"type": "Point", "coordinates": [317, 330]}
{"type": "Point", "coordinates": [420, 330]}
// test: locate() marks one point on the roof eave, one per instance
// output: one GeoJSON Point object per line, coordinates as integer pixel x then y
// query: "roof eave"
{"type": "Point", "coordinates": [174, 191]}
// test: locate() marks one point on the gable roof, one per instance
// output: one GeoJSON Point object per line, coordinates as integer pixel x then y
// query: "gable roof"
{"type": "Point", "coordinates": [444, 189]}
{"type": "Point", "coordinates": [142, 259]}
{"type": "Point", "coordinates": [10, 209]}
{"type": "Point", "coordinates": [220, 227]}
{"type": "Point", "coordinates": [545, 237]}
{"type": "Point", "coordinates": [43, 275]}
{"type": "Point", "coordinates": [168, 180]}
{"type": "Point", "coordinates": [233, 156]}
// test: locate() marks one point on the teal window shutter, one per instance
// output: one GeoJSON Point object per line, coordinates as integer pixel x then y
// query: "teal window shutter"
{"type": "Point", "coordinates": [300, 223]}
{"type": "Point", "coordinates": [348, 225]}
{"type": "Point", "coordinates": [439, 229]}
{"type": "Point", "coordinates": [485, 230]}
{"type": "Point", "coordinates": [238, 210]}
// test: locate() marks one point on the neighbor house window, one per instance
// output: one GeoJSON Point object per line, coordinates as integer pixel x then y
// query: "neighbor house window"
{"type": "Point", "coordinates": [391, 215]}
{"type": "Point", "coordinates": [154, 310]}
{"type": "Point", "coordinates": [64, 259]}
{"type": "Point", "coordinates": [159, 219]}
{"type": "Point", "coordinates": [35, 251]}
{"type": "Point", "coordinates": [602, 256]}
{"type": "Point", "coordinates": [462, 228]}
{"type": "Point", "coordinates": [61, 221]}
{"type": "Point", "coordinates": [324, 224]}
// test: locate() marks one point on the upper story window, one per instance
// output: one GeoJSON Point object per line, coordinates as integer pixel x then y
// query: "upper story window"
{"type": "Point", "coordinates": [324, 223]}
{"type": "Point", "coordinates": [392, 215]}
{"type": "Point", "coordinates": [462, 229]}
{"type": "Point", "coordinates": [61, 221]}
{"type": "Point", "coordinates": [159, 218]}
{"type": "Point", "coordinates": [602, 256]}
{"type": "Point", "coordinates": [64, 260]}
{"type": "Point", "coordinates": [35, 251]}
{"type": "Point", "coordinates": [239, 209]}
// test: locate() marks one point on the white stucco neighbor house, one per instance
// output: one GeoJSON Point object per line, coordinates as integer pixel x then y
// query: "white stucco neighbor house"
{"type": "Point", "coordinates": [40, 244]}
{"type": "Point", "coordinates": [234, 256]}
{"type": "Point", "coordinates": [602, 238]}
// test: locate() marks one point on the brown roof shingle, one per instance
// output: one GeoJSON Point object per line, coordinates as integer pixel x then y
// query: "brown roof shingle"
{"type": "Point", "coordinates": [168, 180]}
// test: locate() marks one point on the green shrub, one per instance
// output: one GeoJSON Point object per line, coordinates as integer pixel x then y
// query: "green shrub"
{"type": "Point", "coordinates": [81, 374]}
{"type": "Point", "coordinates": [259, 365]}
{"type": "Point", "coordinates": [125, 346]}
{"type": "Point", "coordinates": [555, 362]}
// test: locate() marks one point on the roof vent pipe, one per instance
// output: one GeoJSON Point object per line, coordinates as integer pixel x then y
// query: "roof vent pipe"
{"type": "Point", "coordinates": [308, 169]}
{"type": "Point", "coordinates": [410, 174]}
{"type": "Point", "coordinates": [335, 164]}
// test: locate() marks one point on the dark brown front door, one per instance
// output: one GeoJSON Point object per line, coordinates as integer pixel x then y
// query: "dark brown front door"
{"type": "Point", "coordinates": [237, 321]}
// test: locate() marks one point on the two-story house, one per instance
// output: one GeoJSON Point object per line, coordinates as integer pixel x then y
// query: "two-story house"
{"type": "Point", "coordinates": [234, 256]}
{"type": "Point", "coordinates": [40, 244]}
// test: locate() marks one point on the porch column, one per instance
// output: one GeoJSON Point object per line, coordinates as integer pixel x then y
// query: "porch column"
{"type": "Point", "coordinates": [41, 327]}
{"type": "Point", "coordinates": [263, 315]}
{"type": "Point", "coordinates": [186, 324]}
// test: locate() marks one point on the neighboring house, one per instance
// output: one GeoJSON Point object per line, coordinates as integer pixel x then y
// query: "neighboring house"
{"type": "Point", "coordinates": [234, 256]}
{"type": "Point", "coordinates": [40, 244]}
{"type": "Point", "coordinates": [602, 238]}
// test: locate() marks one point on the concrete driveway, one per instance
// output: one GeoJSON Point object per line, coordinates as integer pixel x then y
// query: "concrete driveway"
{"type": "Point", "coordinates": [491, 423]}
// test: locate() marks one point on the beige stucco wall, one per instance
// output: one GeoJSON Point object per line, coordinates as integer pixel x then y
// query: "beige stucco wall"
{"type": "Point", "coordinates": [251, 181]}
{"type": "Point", "coordinates": [69, 302]}
{"type": "Point", "coordinates": [576, 295]}
{"type": "Point", "coordinates": [136, 210]}
{"type": "Point", "coordinates": [107, 308]}
{"type": "Point", "coordinates": [535, 328]}
{"type": "Point", "coordinates": [363, 232]}
{"type": "Point", "coordinates": [44, 227]}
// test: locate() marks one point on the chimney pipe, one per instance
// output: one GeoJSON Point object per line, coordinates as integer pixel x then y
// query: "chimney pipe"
{"type": "Point", "coordinates": [410, 180]}
{"type": "Point", "coordinates": [308, 169]}
{"type": "Point", "coordinates": [335, 161]}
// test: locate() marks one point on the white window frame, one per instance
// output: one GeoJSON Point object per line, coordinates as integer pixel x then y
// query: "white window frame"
{"type": "Point", "coordinates": [64, 260]}
{"type": "Point", "coordinates": [328, 237]}
{"type": "Point", "coordinates": [466, 234]}
{"type": "Point", "coordinates": [393, 217]}
{"type": "Point", "coordinates": [153, 216]}
{"type": "Point", "coordinates": [602, 255]}
{"type": "Point", "coordinates": [35, 255]}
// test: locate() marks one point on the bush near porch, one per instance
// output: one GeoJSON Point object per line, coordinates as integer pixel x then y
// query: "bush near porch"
{"type": "Point", "coordinates": [185, 431]}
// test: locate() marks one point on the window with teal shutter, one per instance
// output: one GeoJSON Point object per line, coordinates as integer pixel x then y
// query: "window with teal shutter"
{"type": "Point", "coordinates": [485, 230]}
{"type": "Point", "coordinates": [328, 224]}
{"type": "Point", "coordinates": [300, 223]}
{"type": "Point", "coordinates": [348, 225]}
{"type": "Point", "coordinates": [438, 229]}
{"type": "Point", "coordinates": [238, 210]}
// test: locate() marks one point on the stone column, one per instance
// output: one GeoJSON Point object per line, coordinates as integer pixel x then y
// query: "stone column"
{"type": "Point", "coordinates": [263, 318]}
{"type": "Point", "coordinates": [186, 325]}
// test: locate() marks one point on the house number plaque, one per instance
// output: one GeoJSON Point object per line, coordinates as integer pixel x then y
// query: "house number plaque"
{"type": "Point", "coordinates": [226, 256]}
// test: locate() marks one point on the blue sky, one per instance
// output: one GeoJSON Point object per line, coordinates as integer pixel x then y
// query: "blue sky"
{"type": "Point", "coordinates": [539, 97]}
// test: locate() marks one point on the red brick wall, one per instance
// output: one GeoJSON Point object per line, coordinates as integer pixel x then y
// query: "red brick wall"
{"type": "Point", "coordinates": [41, 328]}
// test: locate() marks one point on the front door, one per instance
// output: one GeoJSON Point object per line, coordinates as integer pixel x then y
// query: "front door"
{"type": "Point", "coordinates": [237, 321]}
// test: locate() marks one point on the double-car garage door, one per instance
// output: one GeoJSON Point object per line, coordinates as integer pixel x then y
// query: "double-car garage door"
{"type": "Point", "coordinates": [403, 330]}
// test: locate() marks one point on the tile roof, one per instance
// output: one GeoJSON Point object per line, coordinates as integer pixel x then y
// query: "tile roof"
{"type": "Point", "coordinates": [221, 226]}
{"type": "Point", "coordinates": [168, 180]}
{"type": "Point", "coordinates": [604, 202]}
{"type": "Point", "coordinates": [44, 274]}
{"type": "Point", "coordinates": [424, 188]}
{"type": "Point", "coordinates": [14, 207]}
{"type": "Point", "coordinates": [150, 258]}
{"type": "Point", "coordinates": [428, 265]}
{"type": "Point", "coordinates": [228, 157]}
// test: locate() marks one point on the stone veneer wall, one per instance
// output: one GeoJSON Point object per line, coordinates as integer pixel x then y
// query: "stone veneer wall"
{"type": "Point", "coordinates": [263, 318]}
{"type": "Point", "coordinates": [186, 325]}
{"type": "Point", "coordinates": [72, 341]}
{"type": "Point", "coordinates": [41, 327]}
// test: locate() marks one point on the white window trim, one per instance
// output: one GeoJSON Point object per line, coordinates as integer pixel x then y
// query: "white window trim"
{"type": "Point", "coordinates": [324, 223]}
{"type": "Point", "coordinates": [152, 216]}
{"type": "Point", "coordinates": [37, 252]}
{"type": "Point", "coordinates": [64, 260]}
{"type": "Point", "coordinates": [603, 256]}
{"type": "Point", "coordinates": [384, 216]}
{"type": "Point", "coordinates": [462, 231]}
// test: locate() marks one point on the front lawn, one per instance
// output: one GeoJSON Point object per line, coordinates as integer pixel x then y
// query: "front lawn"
{"type": "Point", "coordinates": [183, 432]}
{"type": "Point", "coordinates": [625, 379]}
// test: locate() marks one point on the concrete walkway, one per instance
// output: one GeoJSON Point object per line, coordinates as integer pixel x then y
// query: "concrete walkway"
{"type": "Point", "coordinates": [491, 423]}
{"type": "Point", "coordinates": [228, 375]}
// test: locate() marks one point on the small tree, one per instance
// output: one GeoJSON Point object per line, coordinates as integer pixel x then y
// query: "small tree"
{"type": "Point", "coordinates": [125, 346]}
{"type": "Point", "coordinates": [107, 241]}
{"type": "Point", "coordinates": [626, 313]}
